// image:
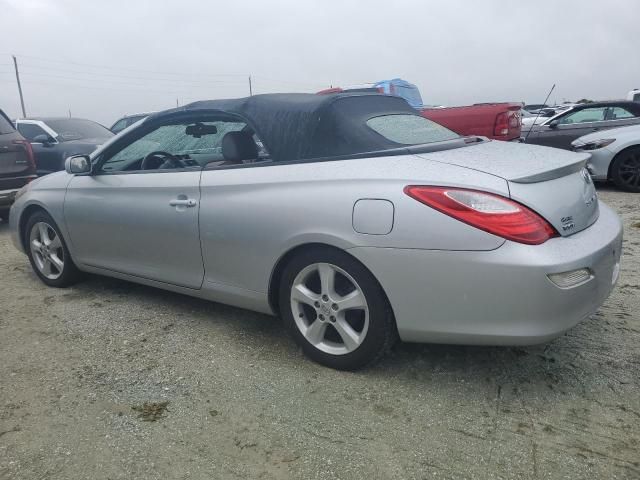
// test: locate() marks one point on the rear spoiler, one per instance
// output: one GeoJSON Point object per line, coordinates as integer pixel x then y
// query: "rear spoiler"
{"type": "Point", "coordinates": [561, 171]}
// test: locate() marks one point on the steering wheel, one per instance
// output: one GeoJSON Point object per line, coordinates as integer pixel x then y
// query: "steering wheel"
{"type": "Point", "coordinates": [155, 160]}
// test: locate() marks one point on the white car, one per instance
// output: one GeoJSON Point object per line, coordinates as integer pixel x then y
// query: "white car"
{"type": "Point", "coordinates": [634, 95]}
{"type": "Point", "coordinates": [615, 155]}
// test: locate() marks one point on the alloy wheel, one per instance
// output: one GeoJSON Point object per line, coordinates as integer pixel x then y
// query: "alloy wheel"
{"type": "Point", "coordinates": [46, 250]}
{"type": "Point", "coordinates": [629, 170]}
{"type": "Point", "coordinates": [329, 308]}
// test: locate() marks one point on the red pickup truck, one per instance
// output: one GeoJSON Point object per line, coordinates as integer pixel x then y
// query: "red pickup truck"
{"type": "Point", "coordinates": [500, 121]}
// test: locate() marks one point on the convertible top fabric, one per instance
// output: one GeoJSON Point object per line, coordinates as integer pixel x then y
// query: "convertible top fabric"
{"type": "Point", "coordinates": [298, 126]}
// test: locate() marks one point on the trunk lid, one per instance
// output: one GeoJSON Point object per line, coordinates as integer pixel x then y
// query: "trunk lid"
{"type": "Point", "coordinates": [550, 181]}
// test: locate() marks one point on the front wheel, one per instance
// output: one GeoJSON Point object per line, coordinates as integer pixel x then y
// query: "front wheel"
{"type": "Point", "coordinates": [336, 310]}
{"type": "Point", "coordinates": [48, 253]}
{"type": "Point", "coordinates": [625, 171]}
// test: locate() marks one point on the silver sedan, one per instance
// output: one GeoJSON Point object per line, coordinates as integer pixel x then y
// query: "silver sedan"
{"type": "Point", "coordinates": [615, 156]}
{"type": "Point", "coordinates": [351, 216]}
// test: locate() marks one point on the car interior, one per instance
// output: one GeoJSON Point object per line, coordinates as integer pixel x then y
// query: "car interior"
{"type": "Point", "coordinates": [189, 145]}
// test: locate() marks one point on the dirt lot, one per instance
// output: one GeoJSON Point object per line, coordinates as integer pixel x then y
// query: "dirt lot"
{"type": "Point", "coordinates": [86, 374]}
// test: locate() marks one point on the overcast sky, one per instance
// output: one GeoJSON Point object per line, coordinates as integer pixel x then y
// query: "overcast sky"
{"type": "Point", "coordinates": [102, 59]}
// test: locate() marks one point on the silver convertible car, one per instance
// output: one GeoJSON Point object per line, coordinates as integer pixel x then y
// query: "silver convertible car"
{"type": "Point", "coordinates": [351, 216]}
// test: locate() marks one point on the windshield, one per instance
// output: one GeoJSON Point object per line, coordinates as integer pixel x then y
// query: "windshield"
{"type": "Point", "coordinates": [78, 129]}
{"type": "Point", "coordinates": [409, 129]}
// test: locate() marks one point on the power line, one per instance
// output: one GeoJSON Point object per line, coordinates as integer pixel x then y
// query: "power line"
{"type": "Point", "coordinates": [117, 75]}
{"type": "Point", "coordinates": [112, 67]}
{"type": "Point", "coordinates": [125, 88]}
{"type": "Point", "coordinates": [189, 83]}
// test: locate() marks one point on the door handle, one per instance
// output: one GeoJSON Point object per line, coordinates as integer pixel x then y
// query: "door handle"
{"type": "Point", "coordinates": [180, 202]}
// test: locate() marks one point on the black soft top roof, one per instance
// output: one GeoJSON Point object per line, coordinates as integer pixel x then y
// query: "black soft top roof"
{"type": "Point", "coordinates": [296, 126]}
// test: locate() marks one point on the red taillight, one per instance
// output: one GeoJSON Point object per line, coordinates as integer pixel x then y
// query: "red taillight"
{"type": "Point", "coordinates": [502, 125]}
{"type": "Point", "coordinates": [27, 146]}
{"type": "Point", "coordinates": [492, 213]}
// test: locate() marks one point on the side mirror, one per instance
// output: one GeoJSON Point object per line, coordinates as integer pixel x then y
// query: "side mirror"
{"type": "Point", "coordinates": [44, 139]}
{"type": "Point", "coordinates": [554, 124]}
{"type": "Point", "coordinates": [77, 164]}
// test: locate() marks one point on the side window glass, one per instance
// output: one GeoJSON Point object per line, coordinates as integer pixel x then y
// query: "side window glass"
{"type": "Point", "coordinates": [119, 125]}
{"type": "Point", "coordinates": [618, 113]}
{"type": "Point", "coordinates": [5, 125]}
{"type": "Point", "coordinates": [586, 115]}
{"type": "Point", "coordinates": [187, 144]}
{"type": "Point", "coordinates": [30, 131]}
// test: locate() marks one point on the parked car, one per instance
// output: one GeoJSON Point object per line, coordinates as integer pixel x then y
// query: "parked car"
{"type": "Point", "coordinates": [397, 87]}
{"type": "Point", "coordinates": [562, 129]}
{"type": "Point", "coordinates": [498, 121]}
{"type": "Point", "coordinates": [634, 95]}
{"type": "Point", "coordinates": [127, 121]}
{"type": "Point", "coordinates": [17, 166]}
{"type": "Point", "coordinates": [55, 139]}
{"type": "Point", "coordinates": [615, 156]}
{"type": "Point", "coordinates": [535, 107]}
{"type": "Point", "coordinates": [529, 119]}
{"type": "Point", "coordinates": [365, 222]}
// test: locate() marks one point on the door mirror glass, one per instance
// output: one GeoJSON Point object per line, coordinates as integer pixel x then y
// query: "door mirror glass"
{"type": "Point", "coordinates": [77, 164]}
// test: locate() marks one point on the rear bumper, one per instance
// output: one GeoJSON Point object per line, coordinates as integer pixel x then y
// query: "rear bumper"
{"type": "Point", "coordinates": [498, 297]}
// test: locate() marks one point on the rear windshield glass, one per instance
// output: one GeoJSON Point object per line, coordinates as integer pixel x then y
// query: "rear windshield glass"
{"type": "Point", "coordinates": [76, 129]}
{"type": "Point", "coordinates": [5, 125]}
{"type": "Point", "coordinates": [410, 129]}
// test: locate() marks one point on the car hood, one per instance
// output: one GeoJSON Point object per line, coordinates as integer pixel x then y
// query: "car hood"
{"type": "Point", "coordinates": [621, 133]}
{"type": "Point", "coordinates": [515, 162]}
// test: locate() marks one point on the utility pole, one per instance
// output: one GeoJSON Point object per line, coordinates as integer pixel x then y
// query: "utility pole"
{"type": "Point", "coordinates": [15, 64]}
{"type": "Point", "coordinates": [177, 104]}
{"type": "Point", "coordinates": [250, 88]}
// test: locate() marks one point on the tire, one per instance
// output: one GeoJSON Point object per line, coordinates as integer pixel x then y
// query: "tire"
{"type": "Point", "coordinates": [48, 253]}
{"type": "Point", "coordinates": [625, 170]}
{"type": "Point", "coordinates": [346, 326]}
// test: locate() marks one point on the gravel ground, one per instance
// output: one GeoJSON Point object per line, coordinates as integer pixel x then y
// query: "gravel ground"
{"type": "Point", "coordinates": [85, 374]}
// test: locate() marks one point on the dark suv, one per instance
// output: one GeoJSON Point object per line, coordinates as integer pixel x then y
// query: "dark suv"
{"type": "Point", "coordinates": [17, 165]}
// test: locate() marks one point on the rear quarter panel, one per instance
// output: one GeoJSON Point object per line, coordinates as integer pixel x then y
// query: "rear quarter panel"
{"type": "Point", "coordinates": [250, 217]}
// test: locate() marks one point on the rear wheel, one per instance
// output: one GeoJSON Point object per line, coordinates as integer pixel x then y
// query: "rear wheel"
{"type": "Point", "coordinates": [335, 309]}
{"type": "Point", "coordinates": [48, 253]}
{"type": "Point", "coordinates": [625, 170]}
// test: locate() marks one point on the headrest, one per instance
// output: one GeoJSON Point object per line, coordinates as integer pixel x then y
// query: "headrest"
{"type": "Point", "coordinates": [237, 146]}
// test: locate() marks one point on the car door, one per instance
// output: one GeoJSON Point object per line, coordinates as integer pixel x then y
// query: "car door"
{"type": "Point", "coordinates": [47, 154]}
{"type": "Point", "coordinates": [137, 213]}
{"type": "Point", "coordinates": [562, 130]}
